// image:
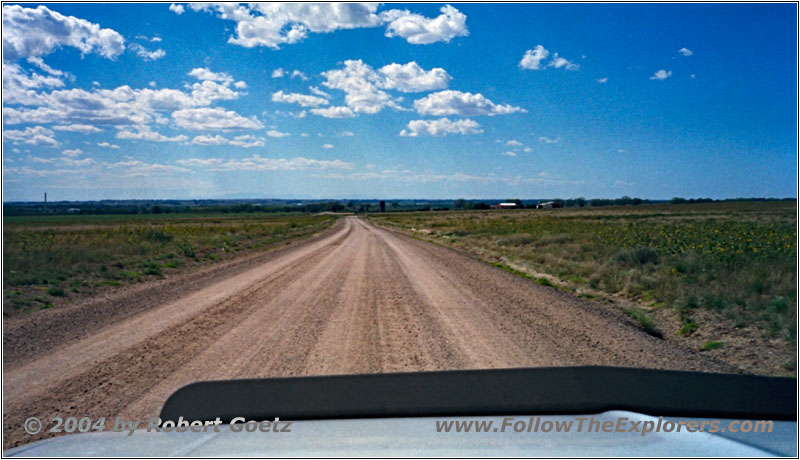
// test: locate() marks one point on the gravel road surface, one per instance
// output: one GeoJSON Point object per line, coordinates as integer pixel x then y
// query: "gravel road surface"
{"type": "Point", "coordinates": [354, 299]}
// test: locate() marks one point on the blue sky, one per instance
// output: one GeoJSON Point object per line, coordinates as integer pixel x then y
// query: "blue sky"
{"type": "Point", "coordinates": [399, 101]}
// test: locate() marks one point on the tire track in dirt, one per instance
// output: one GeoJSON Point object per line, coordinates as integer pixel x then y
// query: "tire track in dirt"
{"type": "Point", "coordinates": [265, 338]}
{"type": "Point", "coordinates": [381, 324]}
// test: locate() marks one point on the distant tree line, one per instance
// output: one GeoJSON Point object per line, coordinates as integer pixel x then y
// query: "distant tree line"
{"type": "Point", "coordinates": [581, 202]}
{"type": "Point", "coordinates": [568, 203]}
{"type": "Point", "coordinates": [315, 206]}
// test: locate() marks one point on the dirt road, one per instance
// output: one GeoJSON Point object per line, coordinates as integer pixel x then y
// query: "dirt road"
{"type": "Point", "coordinates": [355, 299]}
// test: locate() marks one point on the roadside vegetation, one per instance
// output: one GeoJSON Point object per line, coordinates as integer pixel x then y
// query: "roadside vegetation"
{"type": "Point", "coordinates": [732, 264]}
{"type": "Point", "coordinates": [51, 260]}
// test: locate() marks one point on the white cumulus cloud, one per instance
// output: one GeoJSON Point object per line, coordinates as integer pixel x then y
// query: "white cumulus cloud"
{"type": "Point", "coordinates": [319, 92]}
{"type": "Point", "coordinates": [305, 100]}
{"type": "Point", "coordinates": [143, 133]}
{"type": "Point", "coordinates": [247, 141]}
{"type": "Point", "coordinates": [361, 85]}
{"type": "Point", "coordinates": [661, 75]}
{"type": "Point", "coordinates": [34, 32]}
{"type": "Point", "coordinates": [119, 106]}
{"type": "Point", "coordinates": [213, 118]}
{"type": "Point", "coordinates": [36, 135]}
{"type": "Point", "coordinates": [559, 62]}
{"type": "Point", "coordinates": [366, 88]}
{"type": "Point", "coordinates": [411, 77]}
{"type": "Point", "coordinates": [204, 73]}
{"type": "Point", "coordinates": [76, 128]}
{"type": "Point", "coordinates": [451, 102]}
{"type": "Point", "coordinates": [209, 140]}
{"type": "Point", "coordinates": [17, 82]}
{"type": "Point", "coordinates": [72, 152]}
{"type": "Point", "coordinates": [276, 133]}
{"type": "Point", "coordinates": [334, 112]}
{"type": "Point", "coordinates": [147, 54]}
{"type": "Point", "coordinates": [39, 62]}
{"type": "Point", "coordinates": [299, 74]}
{"type": "Point", "coordinates": [419, 30]}
{"type": "Point", "coordinates": [441, 127]}
{"type": "Point", "coordinates": [533, 59]}
{"type": "Point", "coordinates": [276, 24]}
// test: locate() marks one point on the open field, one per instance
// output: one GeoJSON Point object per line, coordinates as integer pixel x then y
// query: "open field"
{"type": "Point", "coordinates": [55, 260]}
{"type": "Point", "coordinates": [718, 277]}
{"type": "Point", "coordinates": [354, 298]}
{"type": "Point", "coordinates": [694, 287]}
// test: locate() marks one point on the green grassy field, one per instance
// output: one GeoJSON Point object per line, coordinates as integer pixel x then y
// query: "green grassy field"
{"type": "Point", "coordinates": [50, 260]}
{"type": "Point", "coordinates": [735, 259]}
